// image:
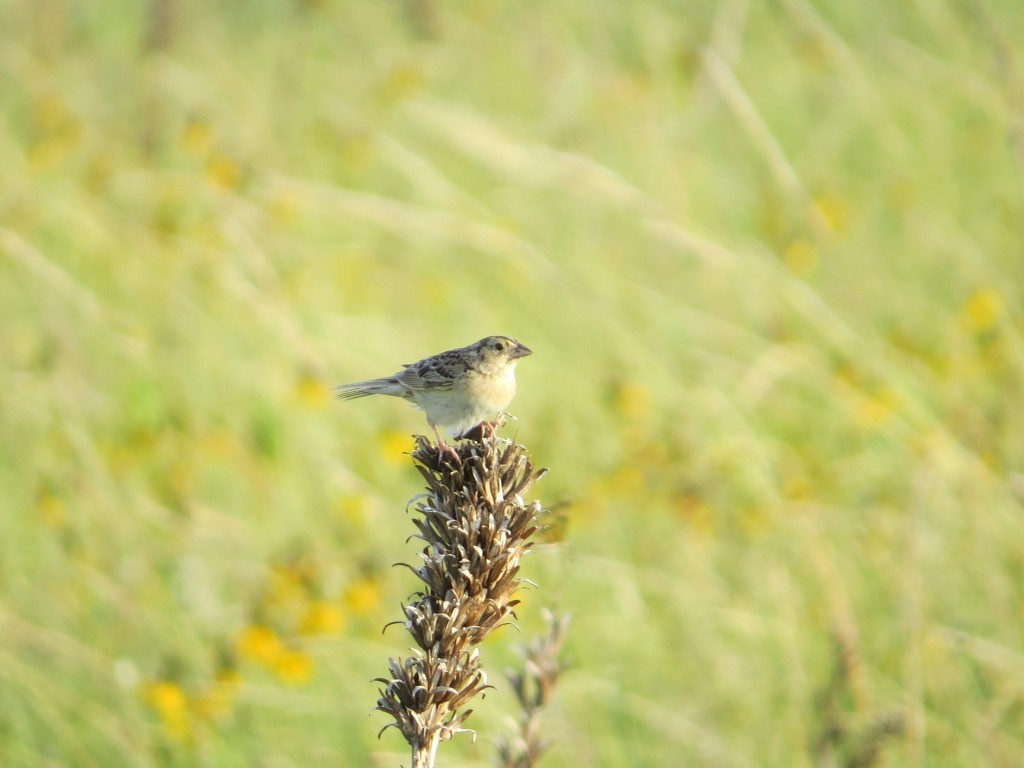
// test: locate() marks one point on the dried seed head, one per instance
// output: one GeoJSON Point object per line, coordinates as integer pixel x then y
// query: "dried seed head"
{"type": "Point", "coordinates": [475, 527]}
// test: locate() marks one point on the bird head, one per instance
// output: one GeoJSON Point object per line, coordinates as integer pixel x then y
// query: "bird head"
{"type": "Point", "coordinates": [500, 350]}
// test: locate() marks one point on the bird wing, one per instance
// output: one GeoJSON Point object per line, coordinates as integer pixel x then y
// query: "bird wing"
{"type": "Point", "coordinates": [437, 373]}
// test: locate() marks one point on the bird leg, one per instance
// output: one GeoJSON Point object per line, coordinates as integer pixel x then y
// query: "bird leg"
{"type": "Point", "coordinates": [443, 446]}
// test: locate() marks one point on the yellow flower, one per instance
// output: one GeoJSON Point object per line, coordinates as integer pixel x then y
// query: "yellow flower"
{"type": "Point", "coordinates": [170, 702]}
{"type": "Point", "coordinates": [260, 643]}
{"type": "Point", "coordinates": [293, 667]}
{"type": "Point", "coordinates": [833, 212]}
{"type": "Point", "coordinates": [219, 444]}
{"type": "Point", "coordinates": [755, 519]}
{"type": "Point", "coordinates": [801, 257]}
{"type": "Point", "coordinates": [796, 487]}
{"type": "Point", "coordinates": [873, 411]}
{"type": "Point", "coordinates": [47, 154]}
{"type": "Point", "coordinates": [628, 479]}
{"type": "Point", "coordinates": [633, 401]}
{"type": "Point", "coordinates": [395, 446]}
{"type": "Point", "coordinates": [51, 114]}
{"type": "Point", "coordinates": [982, 311]}
{"type": "Point", "coordinates": [52, 510]}
{"type": "Point", "coordinates": [60, 131]}
{"type": "Point", "coordinates": [436, 291]}
{"type": "Point", "coordinates": [311, 391]}
{"type": "Point", "coordinates": [197, 138]}
{"type": "Point", "coordinates": [180, 478]}
{"type": "Point", "coordinates": [353, 507]}
{"type": "Point", "coordinates": [224, 172]}
{"type": "Point", "coordinates": [403, 81]}
{"type": "Point", "coordinates": [322, 618]}
{"type": "Point", "coordinates": [362, 596]}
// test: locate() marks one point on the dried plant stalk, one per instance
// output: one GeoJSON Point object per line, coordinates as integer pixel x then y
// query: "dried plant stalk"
{"type": "Point", "coordinates": [476, 527]}
{"type": "Point", "coordinates": [534, 685]}
{"type": "Point", "coordinates": [850, 734]}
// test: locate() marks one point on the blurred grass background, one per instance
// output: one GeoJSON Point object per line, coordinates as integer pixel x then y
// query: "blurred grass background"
{"type": "Point", "coordinates": [769, 258]}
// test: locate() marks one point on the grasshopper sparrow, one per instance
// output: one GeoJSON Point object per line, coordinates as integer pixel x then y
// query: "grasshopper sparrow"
{"type": "Point", "coordinates": [456, 389]}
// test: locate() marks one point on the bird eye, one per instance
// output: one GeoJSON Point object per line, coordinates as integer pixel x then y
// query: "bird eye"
{"type": "Point", "coordinates": [498, 346]}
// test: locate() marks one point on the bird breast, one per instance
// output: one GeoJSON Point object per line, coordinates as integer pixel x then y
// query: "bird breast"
{"type": "Point", "coordinates": [493, 392]}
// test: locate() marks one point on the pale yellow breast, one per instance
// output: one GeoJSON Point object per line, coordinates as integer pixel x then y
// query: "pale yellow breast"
{"type": "Point", "coordinates": [492, 393]}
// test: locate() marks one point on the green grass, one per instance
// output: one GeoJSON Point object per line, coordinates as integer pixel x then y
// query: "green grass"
{"type": "Point", "coordinates": [768, 256]}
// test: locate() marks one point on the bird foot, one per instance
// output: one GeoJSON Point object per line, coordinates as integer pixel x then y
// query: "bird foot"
{"type": "Point", "coordinates": [483, 430]}
{"type": "Point", "coordinates": [442, 446]}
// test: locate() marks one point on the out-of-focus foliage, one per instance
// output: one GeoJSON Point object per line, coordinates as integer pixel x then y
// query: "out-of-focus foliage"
{"type": "Point", "coordinates": [768, 256]}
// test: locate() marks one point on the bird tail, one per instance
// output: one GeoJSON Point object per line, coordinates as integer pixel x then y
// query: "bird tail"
{"type": "Point", "coordinates": [364, 388]}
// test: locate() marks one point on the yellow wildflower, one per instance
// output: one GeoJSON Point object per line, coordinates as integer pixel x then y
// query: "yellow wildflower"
{"type": "Point", "coordinates": [982, 311]}
{"type": "Point", "coordinates": [873, 411]}
{"type": "Point", "coordinates": [170, 702]}
{"type": "Point", "coordinates": [362, 597]}
{"type": "Point", "coordinates": [260, 643]}
{"type": "Point", "coordinates": [52, 510]}
{"type": "Point", "coordinates": [633, 401]}
{"type": "Point", "coordinates": [801, 257]}
{"type": "Point", "coordinates": [293, 667]}
{"type": "Point", "coordinates": [197, 138]}
{"type": "Point", "coordinates": [224, 172]}
{"type": "Point", "coordinates": [311, 391]}
{"type": "Point", "coordinates": [395, 446]}
{"type": "Point", "coordinates": [833, 212]}
{"type": "Point", "coordinates": [322, 617]}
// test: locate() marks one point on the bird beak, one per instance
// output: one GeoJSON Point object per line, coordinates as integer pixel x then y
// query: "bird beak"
{"type": "Point", "coordinates": [521, 350]}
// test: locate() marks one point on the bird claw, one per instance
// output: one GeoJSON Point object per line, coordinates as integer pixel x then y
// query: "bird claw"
{"type": "Point", "coordinates": [442, 446]}
{"type": "Point", "coordinates": [485, 430]}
